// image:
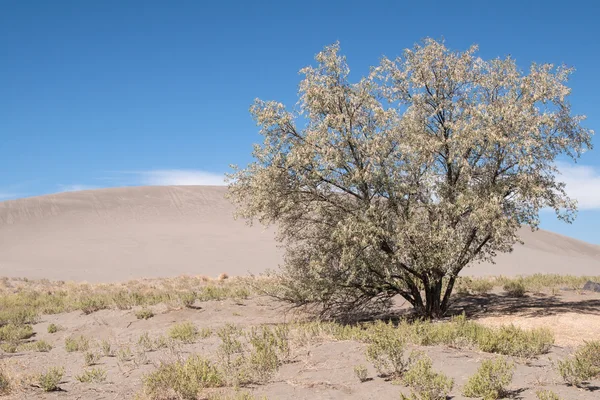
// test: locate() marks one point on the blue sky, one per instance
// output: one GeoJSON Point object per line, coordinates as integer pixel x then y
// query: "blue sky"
{"type": "Point", "coordinates": [112, 93]}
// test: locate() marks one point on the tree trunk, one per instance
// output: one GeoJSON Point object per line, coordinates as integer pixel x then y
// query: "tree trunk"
{"type": "Point", "coordinates": [435, 306]}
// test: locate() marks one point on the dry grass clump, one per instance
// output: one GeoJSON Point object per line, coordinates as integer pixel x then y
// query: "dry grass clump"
{"type": "Point", "coordinates": [361, 373]}
{"type": "Point", "coordinates": [185, 332]}
{"type": "Point", "coordinates": [536, 283]}
{"type": "Point", "coordinates": [94, 375]}
{"type": "Point", "coordinates": [49, 380]}
{"type": "Point", "coordinates": [386, 350]}
{"type": "Point", "coordinates": [182, 379]}
{"type": "Point", "coordinates": [77, 343]}
{"type": "Point", "coordinates": [546, 395]}
{"type": "Point", "coordinates": [53, 328]}
{"type": "Point", "coordinates": [144, 313]}
{"type": "Point", "coordinates": [490, 380]}
{"type": "Point", "coordinates": [6, 383]}
{"type": "Point", "coordinates": [515, 288]}
{"type": "Point", "coordinates": [425, 383]}
{"type": "Point", "coordinates": [91, 358]}
{"type": "Point", "coordinates": [583, 366]}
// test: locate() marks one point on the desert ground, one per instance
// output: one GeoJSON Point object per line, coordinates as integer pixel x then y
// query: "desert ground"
{"type": "Point", "coordinates": [136, 292]}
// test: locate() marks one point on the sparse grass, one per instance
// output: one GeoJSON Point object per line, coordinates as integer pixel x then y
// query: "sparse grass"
{"type": "Point", "coordinates": [40, 346]}
{"type": "Point", "coordinates": [425, 383]}
{"type": "Point", "coordinates": [144, 313]}
{"type": "Point", "coordinates": [77, 343]}
{"type": "Point", "coordinates": [5, 382]}
{"type": "Point", "coordinates": [94, 375]}
{"type": "Point", "coordinates": [515, 288]}
{"type": "Point", "coordinates": [125, 354]}
{"type": "Point", "coordinates": [361, 373]}
{"type": "Point", "coordinates": [185, 332]}
{"type": "Point", "coordinates": [49, 380]}
{"type": "Point", "coordinates": [91, 358]}
{"type": "Point", "coordinates": [205, 333]}
{"type": "Point", "coordinates": [583, 366]}
{"type": "Point", "coordinates": [490, 380]}
{"type": "Point", "coordinates": [185, 379]}
{"type": "Point", "coordinates": [52, 328]}
{"type": "Point", "coordinates": [386, 350]}
{"type": "Point", "coordinates": [547, 395]}
{"type": "Point", "coordinates": [15, 333]}
{"type": "Point", "coordinates": [187, 299]}
{"type": "Point", "coordinates": [106, 349]}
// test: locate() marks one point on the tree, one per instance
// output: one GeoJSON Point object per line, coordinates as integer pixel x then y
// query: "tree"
{"type": "Point", "coordinates": [392, 185]}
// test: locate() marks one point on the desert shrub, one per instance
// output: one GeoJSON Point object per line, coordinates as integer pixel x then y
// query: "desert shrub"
{"type": "Point", "coordinates": [41, 346]}
{"type": "Point", "coordinates": [106, 348]}
{"type": "Point", "coordinates": [187, 299]}
{"type": "Point", "coordinates": [5, 382]}
{"type": "Point", "coordinates": [515, 288]}
{"type": "Point", "coordinates": [205, 333]}
{"type": "Point", "coordinates": [425, 383]}
{"type": "Point", "coordinates": [546, 395]}
{"type": "Point", "coordinates": [9, 347]}
{"type": "Point", "coordinates": [185, 332]}
{"type": "Point", "coordinates": [77, 343]}
{"type": "Point", "coordinates": [583, 366]}
{"type": "Point", "coordinates": [231, 354]}
{"type": "Point", "coordinates": [53, 328]}
{"type": "Point", "coordinates": [182, 379]}
{"type": "Point", "coordinates": [144, 313]}
{"type": "Point", "coordinates": [513, 341]}
{"type": "Point", "coordinates": [90, 304]}
{"type": "Point", "coordinates": [14, 333]}
{"type": "Point", "coordinates": [386, 350]}
{"type": "Point", "coordinates": [94, 375]}
{"type": "Point", "coordinates": [361, 373]}
{"type": "Point", "coordinates": [125, 354]}
{"type": "Point", "coordinates": [91, 358]}
{"type": "Point", "coordinates": [490, 380]}
{"type": "Point", "coordinates": [263, 360]}
{"type": "Point", "coordinates": [18, 314]}
{"type": "Point", "coordinates": [50, 379]}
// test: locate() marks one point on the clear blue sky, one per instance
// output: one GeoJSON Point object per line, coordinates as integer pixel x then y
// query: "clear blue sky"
{"type": "Point", "coordinates": [111, 93]}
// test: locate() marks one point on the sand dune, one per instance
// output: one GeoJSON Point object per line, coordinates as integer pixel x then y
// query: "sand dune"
{"type": "Point", "coordinates": [123, 233]}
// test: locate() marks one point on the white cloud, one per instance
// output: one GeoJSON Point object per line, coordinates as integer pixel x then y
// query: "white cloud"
{"type": "Point", "coordinates": [583, 184]}
{"type": "Point", "coordinates": [180, 177]}
{"type": "Point", "coordinates": [75, 187]}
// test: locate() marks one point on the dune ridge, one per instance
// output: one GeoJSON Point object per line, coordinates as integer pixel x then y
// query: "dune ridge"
{"type": "Point", "coordinates": [116, 234]}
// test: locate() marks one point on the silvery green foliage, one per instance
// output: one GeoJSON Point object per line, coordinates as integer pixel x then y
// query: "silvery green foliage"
{"type": "Point", "coordinates": [392, 185]}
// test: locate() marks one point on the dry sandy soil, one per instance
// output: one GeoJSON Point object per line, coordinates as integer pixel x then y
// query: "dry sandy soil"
{"type": "Point", "coordinates": [322, 368]}
{"type": "Point", "coordinates": [115, 235]}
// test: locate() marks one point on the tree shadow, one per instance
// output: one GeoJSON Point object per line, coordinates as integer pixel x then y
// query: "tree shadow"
{"type": "Point", "coordinates": [527, 306]}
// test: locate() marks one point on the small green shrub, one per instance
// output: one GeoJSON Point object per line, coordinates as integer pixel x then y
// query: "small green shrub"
{"type": "Point", "coordinates": [490, 380]}
{"type": "Point", "coordinates": [77, 343]}
{"type": "Point", "coordinates": [91, 358]}
{"type": "Point", "coordinates": [263, 359]}
{"type": "Point", "coordinates": [583, 366]}
{"type": "Point", "coordinates": [188, 299]}
{"type": "Point", "coordinates": [513, 341]}
{"type": "Point", "coordinates": [386, 350]}
{"type": "Point", "coordinates": [42, 346]}
{"type": "Point", "coordinates": [185, 332]}
{"type": "Point", "coordinates": [92, 304]}
{"type": "Point", "coordinates": [50, 379]}
{"type": "Point", "coordinates": [14, 333]}
{"type": "Point", "coordinates": [546, 395]}
{"type": "Point", "coordinates": [106, 349]}
{"type": "Point", "coordinates": [515, 288]}
{"type": "Point", "coordinates": [94, 375]}
{"type": "Point", "coordinates": [205, 333]}
{"type": "Point", "coordinates": [53, 328]}
{"type": "Point", "coordinates": [144, 313]}
{"type": "Point", "coordinates": [425, 383]}
{"type": "Point", "coordinates": [5, 382]}
{"type": "Point", "coordinates": [361, 373]}
{"type": "Point", "coordinates": [185, 379]}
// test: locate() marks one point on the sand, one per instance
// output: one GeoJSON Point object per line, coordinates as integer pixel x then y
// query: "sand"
{"type": "Point", "coordinates": [118, 234]}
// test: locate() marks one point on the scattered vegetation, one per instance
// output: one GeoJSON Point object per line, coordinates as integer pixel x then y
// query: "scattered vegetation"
{"type": "Point", "coordinates": [515, 288]}
{"type": "Point", "coordinates": [546, 395]}
{"type": "Point", "coordinates": [94, 375]}
{"type": "Point", "coordinates": [144, 313]}
{"type": "Point", "coordinates": [5, 382]}
{"type": "Point", "coordinates": [106, 349]}
{"type": "Point", "coordinates": [183, 379]}
{"type": "Point", "coordinates": [490, 380]}
{"type": "Point", "coordinates": [361, 373]}
{"type": "Point", "coordinates": [386, 350]}
{"type": "Point", "coordinates": [425, 383]}
{"type": "Point", "coordinates": [53, 328]}
{"type": "Point", "coordinates": [50, 379]}
{"type": "Point", "coordinates": [77, 343]}
{"type": "Point", "coordinates": [583, 366]}
{"type": "Point", "coordinates": [91, 358]}
{"type": "Point", "coordinates": [185, 332]}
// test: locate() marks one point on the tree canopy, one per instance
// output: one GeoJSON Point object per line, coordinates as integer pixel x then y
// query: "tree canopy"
{"type": "Point", "coordinates": [393, 184]}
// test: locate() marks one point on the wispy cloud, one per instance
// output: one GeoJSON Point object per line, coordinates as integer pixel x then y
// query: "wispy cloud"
{"type": "Point", "coordinates": [183, 177]}
{"type": "Point", "coordinates": [583, 184]}
{"type": "Point", "coordinates": [75, 187]}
